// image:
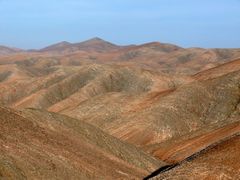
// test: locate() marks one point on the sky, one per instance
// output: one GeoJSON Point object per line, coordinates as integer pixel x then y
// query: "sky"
{"type": "Point", "coordinates": [32, 24]}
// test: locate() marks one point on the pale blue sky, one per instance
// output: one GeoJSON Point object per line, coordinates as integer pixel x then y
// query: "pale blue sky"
{"type": "Point", "coordinates": [188, 23]}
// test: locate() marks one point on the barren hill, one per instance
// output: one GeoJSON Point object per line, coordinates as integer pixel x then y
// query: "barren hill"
{"type": "Point", "coordinates": [91, 45]}
{"type": "Point", "coordinates": [96, 110]}
{"type": "Point", "coordinates": [38, 144]}
{"type": "Point", "coordinates": [130, 102]}
{"type": "Point", "coordinates": [156, 116]}
{"type": "Point", "coordinates": [154, 56]}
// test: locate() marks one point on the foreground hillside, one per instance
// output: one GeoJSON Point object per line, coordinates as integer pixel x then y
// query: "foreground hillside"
{"type": "Point", "coordinates": [38, 144]}
{"type": "Point", "coordinates": [96, 110]}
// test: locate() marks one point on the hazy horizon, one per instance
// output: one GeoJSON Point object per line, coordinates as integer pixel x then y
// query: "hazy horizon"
{"type": "Point", "coordinates": [36, 24]}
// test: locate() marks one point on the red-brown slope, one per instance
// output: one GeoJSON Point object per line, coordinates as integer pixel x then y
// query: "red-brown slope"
{"type": "Point", "coordinates": [133, 104]}
{"type": "Point", "coordinates": [149, 119]}
{"type": "Point", "coordinates": [42, 145]}
{"type": "Point", "coordinates": [218, 162]}
{"type": "Point", "coordinates": [182, 149]}
{"type": "Point", "coordinates": [219, 70]}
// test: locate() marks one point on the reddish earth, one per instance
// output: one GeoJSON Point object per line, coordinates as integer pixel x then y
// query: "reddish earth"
{"type": "Point", "coordinates": [218, 162]}
{"type": "Point", "coordinates": [219, 70]}
{"type": "Point", "coordinates": [179, 151]}
{"type": "Point", "coordinates": [37, 144]}
{"type": "Point", "coordinates": [117, 112]}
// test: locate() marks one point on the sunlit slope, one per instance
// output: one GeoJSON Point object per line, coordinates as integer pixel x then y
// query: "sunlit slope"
{"type": "Point", "coordinates": [38, 144]}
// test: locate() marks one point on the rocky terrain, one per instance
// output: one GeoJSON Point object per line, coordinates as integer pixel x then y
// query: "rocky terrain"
{"type": "Point", "coordinates": [96, 110]}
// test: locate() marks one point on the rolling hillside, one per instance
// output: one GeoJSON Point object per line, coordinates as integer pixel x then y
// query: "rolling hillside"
{"type": "Point", "coordinates": [96, 110]}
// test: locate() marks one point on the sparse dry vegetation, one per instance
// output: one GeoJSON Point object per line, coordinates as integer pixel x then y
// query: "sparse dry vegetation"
{"type": "Point", "coordinates": [95, 110]}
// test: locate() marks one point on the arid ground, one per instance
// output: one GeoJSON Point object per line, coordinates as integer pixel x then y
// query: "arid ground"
{"type": "Point", "coordinates": [96, 110]}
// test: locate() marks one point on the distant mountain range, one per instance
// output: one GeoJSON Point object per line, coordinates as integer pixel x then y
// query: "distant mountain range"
{"type": "Point", "coordinates": [94, 44]}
